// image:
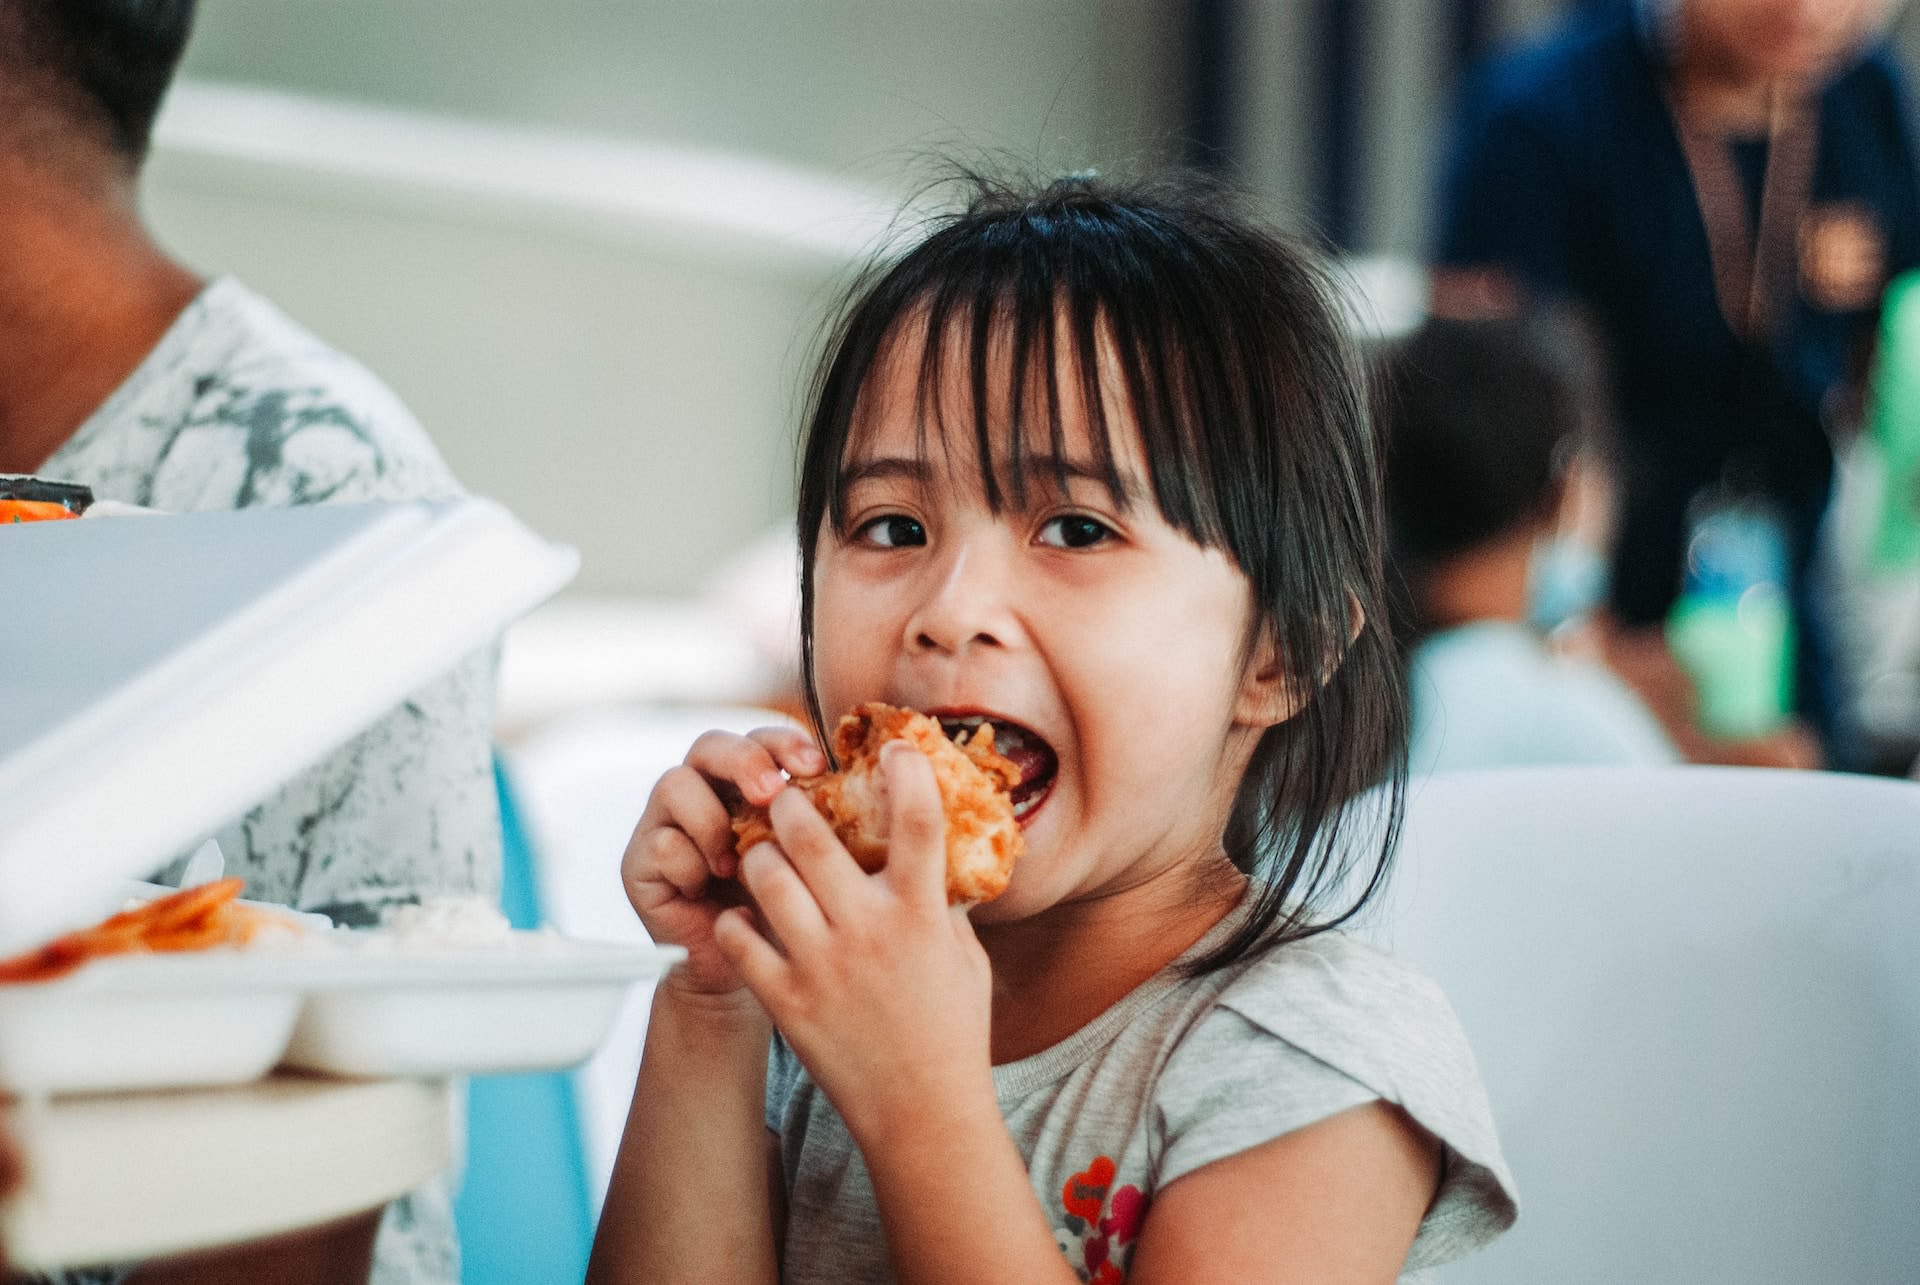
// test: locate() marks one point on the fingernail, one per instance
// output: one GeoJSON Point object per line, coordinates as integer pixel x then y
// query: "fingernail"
{"type": "Point", "coordinates": [771, 783]}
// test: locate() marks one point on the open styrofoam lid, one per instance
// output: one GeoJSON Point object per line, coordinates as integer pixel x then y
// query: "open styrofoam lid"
{"type": "Point", "coordinates": [159, 674]}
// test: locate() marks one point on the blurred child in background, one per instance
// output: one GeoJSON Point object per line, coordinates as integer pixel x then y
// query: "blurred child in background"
{"type": "Point", "coordinates": [1484, 423]}
{"type": "Point", "coordinates": [1498, 501]}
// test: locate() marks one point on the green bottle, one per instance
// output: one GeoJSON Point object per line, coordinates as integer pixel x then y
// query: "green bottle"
{"type": "Point", "coordinates": [1732, 626]}
{"type": "Point", "coordinates": [1894, 427]}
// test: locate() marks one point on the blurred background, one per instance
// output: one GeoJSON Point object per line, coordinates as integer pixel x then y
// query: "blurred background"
{"type": "Point", "coordinates": [590, 241]}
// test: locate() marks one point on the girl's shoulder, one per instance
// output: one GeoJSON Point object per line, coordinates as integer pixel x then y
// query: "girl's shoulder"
{"type": "Point", "coordinates": [1352, 1005]}
{"type": "Point", "coordinates": [1299, 1032]}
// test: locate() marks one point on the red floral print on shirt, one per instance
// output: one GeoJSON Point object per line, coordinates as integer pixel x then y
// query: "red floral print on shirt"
{"type": "Point", "coordinates": [1101, 1222]}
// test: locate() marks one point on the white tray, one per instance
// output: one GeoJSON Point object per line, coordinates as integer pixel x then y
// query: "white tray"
{"type": "Point", "coordinates": [118, 1176]}
{"type": "Point", "coordinates": [209, 1017]}
{"type": "Point", "coordinates": [534, 1003]}
{"type": "Point", "coordinates": [352, 1004]}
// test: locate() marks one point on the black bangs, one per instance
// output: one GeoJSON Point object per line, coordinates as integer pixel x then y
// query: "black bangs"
{"type": "Point", "coordinates": [1160, 307]}
{"type": "Point", "coordinates": [1071, 290]}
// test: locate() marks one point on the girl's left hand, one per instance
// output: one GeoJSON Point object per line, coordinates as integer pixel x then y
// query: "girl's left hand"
{"type": "Point", "coordinates": [880, 987]}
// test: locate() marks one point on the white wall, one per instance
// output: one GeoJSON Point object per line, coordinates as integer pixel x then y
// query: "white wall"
{"type": "Point", "coordinates": [623, 386]}
{"type": "Point", "coordinates": [591, 243]}
{"type": "Point", "coordinates": [842, 85]}
{"type": "Point", "coordinates": [621, 373]}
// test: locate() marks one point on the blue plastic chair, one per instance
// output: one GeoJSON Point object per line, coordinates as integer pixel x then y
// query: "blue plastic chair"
{"type": "Point", "coordinates": [523, 1211]}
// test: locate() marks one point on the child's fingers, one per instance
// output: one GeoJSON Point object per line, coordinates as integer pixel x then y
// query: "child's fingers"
{"type": "Point", "coordinates": [664, 855]}
{"type": "Point", "coordinates": [792, 748]}
{"type": "Point", "coordinates": [760, 966]}
{"type": "Point", "coordinates": [816, 854]}
{"type": "Point", "coordinates": [783, 899]}
{"type": "Point", "coordinates": [755, 765]}
{"type": "Point", "coordinates": [684, 800]}
{"type": "Point", "coordinates": [916, 825]}
{"type": "Point", "coordinates": [737, 765]}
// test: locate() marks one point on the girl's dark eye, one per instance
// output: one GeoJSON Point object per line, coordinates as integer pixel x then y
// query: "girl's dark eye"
{"type": "Point", "coordinates": [1075, 531]}
{"type": "Point", "coordinates": [893, 531]}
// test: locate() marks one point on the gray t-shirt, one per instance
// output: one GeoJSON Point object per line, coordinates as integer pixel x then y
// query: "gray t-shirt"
{"type": "Point", "coordinates": [236, 407]}
{"type": "Point", "coordinates": [1182, 1072]}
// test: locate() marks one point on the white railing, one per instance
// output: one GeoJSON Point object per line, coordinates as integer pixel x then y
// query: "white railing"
{"type": "Point", "coordinates": [726, 203]}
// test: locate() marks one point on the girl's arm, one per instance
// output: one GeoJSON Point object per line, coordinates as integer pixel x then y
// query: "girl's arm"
{"type": "Point", "coordinates": [691, 1197]}
{"type": "Point", "coordinates": [1335, 1203]}
{"type": "Point", "coordinates": [957, 1204]}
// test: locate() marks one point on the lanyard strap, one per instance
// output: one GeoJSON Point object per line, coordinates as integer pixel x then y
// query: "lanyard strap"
{"type": "Point", "coordinates": [1752, 272]}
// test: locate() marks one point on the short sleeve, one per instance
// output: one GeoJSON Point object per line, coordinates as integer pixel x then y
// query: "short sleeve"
{"type": "Point", "coordinates": [1231, 1086]}
{"type": "Point", "coordinates": [276, 432]}
{"type": "Point", "coordinates": [239, 407]}
{"type": "Point", "coordinates": [1319, 1027]}
{"type": "Point", "coordinates": [245, 409]}
{"type": "Point", "coordinates": [1604, 722]}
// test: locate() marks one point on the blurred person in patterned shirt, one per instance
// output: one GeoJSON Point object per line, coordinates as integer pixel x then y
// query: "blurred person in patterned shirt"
{"type": "Point", "coordinates": [122, 369]}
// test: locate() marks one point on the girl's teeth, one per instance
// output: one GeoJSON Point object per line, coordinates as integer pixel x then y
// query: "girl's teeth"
{"type": "Point", "coordinates": [1030, 754]}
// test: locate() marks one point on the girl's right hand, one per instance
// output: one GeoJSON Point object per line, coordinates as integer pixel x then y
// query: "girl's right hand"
{"type": "Point", "coordinates": [680, 864]}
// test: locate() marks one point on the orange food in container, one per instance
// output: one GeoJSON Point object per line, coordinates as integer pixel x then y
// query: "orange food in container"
{"type": "Point", "coordinates": [33, 499]}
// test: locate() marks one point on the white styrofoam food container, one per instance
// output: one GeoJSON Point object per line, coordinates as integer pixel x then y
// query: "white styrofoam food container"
{"type": "Point", "coordinates": [174, 669]}
{"type": "Point", "coordinates": [146, 1021]}
{"type": "Point", "coordinates": [534, 1002]}
{"type": "Point", "coordinates": [161, 674]}
{"type": "Point", "coordinates": [348, 1003]}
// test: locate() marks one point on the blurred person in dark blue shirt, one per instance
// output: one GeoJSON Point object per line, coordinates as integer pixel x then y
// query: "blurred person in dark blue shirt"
{"type": "Point", "coordinates": [1725, 187]}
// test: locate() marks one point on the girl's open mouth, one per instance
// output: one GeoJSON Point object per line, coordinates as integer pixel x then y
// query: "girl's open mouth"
{"type": "Point", "coordinates": [1026, 749]}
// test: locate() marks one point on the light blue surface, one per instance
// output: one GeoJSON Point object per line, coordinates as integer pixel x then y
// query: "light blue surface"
{"type": "Point", "coordinates": [523, 1211]}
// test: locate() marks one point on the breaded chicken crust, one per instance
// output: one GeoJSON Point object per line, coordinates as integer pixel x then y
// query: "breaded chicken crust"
{"type": "Point", "coordinates": [976, 783]}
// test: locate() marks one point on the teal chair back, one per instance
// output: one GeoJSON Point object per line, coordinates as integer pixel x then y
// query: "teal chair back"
{"type": "Point", "coordinates": [523, 1210]}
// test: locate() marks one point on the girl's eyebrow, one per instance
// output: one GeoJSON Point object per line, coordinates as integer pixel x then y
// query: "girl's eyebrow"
{"type": "Point", "coordinates": [1047, 466]}
{"type": "Point", "coordinates": [882, 469]}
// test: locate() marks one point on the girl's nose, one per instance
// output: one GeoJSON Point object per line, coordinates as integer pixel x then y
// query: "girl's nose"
{"type": "Point", "coordinates": [965, 605]}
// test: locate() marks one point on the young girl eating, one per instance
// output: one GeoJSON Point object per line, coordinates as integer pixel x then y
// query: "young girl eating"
{"type": "Point", "coordinates": [1092, 465]}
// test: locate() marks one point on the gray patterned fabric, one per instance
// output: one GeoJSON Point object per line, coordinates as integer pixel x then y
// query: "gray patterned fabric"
{"type": "Point", "coordinates": [238, 406]}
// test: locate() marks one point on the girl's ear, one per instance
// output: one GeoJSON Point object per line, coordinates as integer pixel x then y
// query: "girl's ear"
{"type": "Point", "coordinates": [1267, 697]}
{"type": "Point", "coordinates": [1270, 693]}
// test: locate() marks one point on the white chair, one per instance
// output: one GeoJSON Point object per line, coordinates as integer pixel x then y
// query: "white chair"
{"type": "Point", "coordinates": [1695, 997]}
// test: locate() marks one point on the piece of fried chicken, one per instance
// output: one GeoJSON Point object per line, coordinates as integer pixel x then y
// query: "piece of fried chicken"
{"type": "Point", "coordinates": [975, 780]}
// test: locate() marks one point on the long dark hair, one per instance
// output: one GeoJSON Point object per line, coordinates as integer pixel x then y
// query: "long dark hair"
{"type": "Point", "coordinates": [1253, 415]}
